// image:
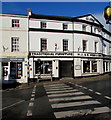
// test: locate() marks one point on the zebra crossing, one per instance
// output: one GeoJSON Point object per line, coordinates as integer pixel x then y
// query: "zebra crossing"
{"type": "Point", "coordinates": [69, 102]}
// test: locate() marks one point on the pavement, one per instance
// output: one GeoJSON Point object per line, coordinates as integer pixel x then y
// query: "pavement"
{"type": "Point", "coordinates": [64, 80]}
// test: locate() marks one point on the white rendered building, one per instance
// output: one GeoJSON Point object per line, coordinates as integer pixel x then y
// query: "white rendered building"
{"type": "Point", "coordinates": [53, 46]}
{"type": "Point", "coordinates": [13, 57]}
{"type": "Point", "coordinates": [68, 46]}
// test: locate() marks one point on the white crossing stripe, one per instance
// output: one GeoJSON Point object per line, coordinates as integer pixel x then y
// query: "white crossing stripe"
{"type": "Point", "coordinates": [57, 87]}
{"type": "Point", "coordinates": [81, 112]}
{"type": "Point", "coordinates": [85, 87]}
{"type": "Point", "coordinates": [54, 85]}
{"type": "Point", "coordinates": [73, 104]}
{"type": "Point", "coordinates": [90, 90]}
{"type": "Point", "coordinates": [66, 94]}
{"type": "Point", "coordinates": [108, 97]}
{"type": "Point", "coordinates": [62, 91]}
{"type": "Point", "coordinates": [98, 93]}
{"type": "Point", "coordinates": [52, 89]}
{"type": "Point", "coordinates": [70, 98]}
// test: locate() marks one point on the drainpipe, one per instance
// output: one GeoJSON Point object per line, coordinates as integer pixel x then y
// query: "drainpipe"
{"type": "Point", "coordinates": [73, 46]}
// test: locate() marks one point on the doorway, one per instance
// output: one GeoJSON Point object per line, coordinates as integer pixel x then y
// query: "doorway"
{"type": "Point", "coordinates": [66, 69]}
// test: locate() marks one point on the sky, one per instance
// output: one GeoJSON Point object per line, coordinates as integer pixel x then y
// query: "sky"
{"type": "Point", "coordinates": [58, 8]}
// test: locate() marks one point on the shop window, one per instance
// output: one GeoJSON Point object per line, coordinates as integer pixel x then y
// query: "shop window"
{"type": "Point", "coordinates": [43, 44]}
{"type": "Point", "coordinates": [86, 66]}
{"type": "Point", "coordinates": [94, 66]}
{"type": "Point", "coordinates": [106, 66]}
{"type": "Point", "coordinates": [65, 45]}
{"type": "Point", "coordinates": [43, 67]}
{"type": "Point", "coordinates": [15, 70]}
{"type": "Point", "coordinates": [15, 23]}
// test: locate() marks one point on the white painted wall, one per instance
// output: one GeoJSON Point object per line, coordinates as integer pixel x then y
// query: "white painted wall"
{"type": "Point", "coordinates": [52, 38]}
{"type": "Point", "coordinates": [51, 24]}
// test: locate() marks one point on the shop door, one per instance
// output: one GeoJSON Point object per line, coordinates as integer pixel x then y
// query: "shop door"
{"type": "Point", "coordinates": [66, 69]}
{"type": "Point", "coordinates": [5, 72]}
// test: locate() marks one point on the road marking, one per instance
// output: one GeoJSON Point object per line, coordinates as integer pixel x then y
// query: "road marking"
{"type": "Point", "coordinates": [90, 90]}
{"type": "Point", "coordinates": [49, 87]}
{"type": "Point", "coordinates": [59, 89]}
{"type": "Point", "coordinates": [29, 113]}
{"type": "Point", "coordinates": [108, 97]}
{"type": "Point", "coordinates": [12, 105]}
{"type": "Point", "coordinates": [31, 104]}
{"type": "Point", "coordinates": [55, 85]}
{"type": "Point", "coordinates": [65, 94]}
{"type": "Point", "coordinates": [70, 98]}
{"type": "Point", "coordinates": [62, 91]}
{"type": "Point", "coordinates": [32, 95]}
{"type": "Point", "coordinates": [85, 87]}
{"type": "Point", "coordinates": [33, 92]}
{"type": "Point", "coordinates": [73, 104]}
{"type": "Point", "coordinates": [98, 93]}
{"type": "Point", "coordinates": [81, 112]}
{"type": "Point", "coordinates": [32, 99]}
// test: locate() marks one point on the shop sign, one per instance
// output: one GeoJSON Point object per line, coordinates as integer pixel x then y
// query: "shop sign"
{"type": "Point", "coordinates": [51, 53]}
{"type": "Point", "coordinates": [12, 59]}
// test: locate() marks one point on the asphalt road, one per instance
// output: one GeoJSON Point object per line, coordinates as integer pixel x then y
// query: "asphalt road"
{"type": "Point", "coordinates": [83, 101]}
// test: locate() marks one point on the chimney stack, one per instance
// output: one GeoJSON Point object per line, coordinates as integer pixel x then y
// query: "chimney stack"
{"type": "Point", "coordinates": [29, 11]}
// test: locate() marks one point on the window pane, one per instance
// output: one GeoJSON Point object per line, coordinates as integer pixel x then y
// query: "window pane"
{"type": "Point", "coordinates": [43, 44]}
{"type": "Point", "coordinates": [86, 66]}
{"type": "Point", "coordinates": [43, 67]}
{"type": "Point", "coordinates": [94, 66]}
{"type": "Point", "coordinates": [15, 23]}
{"type": "Point", "coordinates": [15, 44]}
{"type": "Point", "coordinates": [65, 45]}
{"type": "Point", "coordinates": [43, 24]}
{"type": "Point", "coordinates": [65, 26]}
{"type": "Point", "coordinates": [84, 45]}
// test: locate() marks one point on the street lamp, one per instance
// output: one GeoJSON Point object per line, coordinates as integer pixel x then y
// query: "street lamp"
{"type": "Point", "coordinates": [107, 14]}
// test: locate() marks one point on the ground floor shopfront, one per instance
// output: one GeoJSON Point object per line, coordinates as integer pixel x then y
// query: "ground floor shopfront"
{"type": "Point", "coordinates": [13, 70]}
{"type": "Point", "coordinates": [64, 66]}
{"type": "Point", "coordinates": [52, 67]}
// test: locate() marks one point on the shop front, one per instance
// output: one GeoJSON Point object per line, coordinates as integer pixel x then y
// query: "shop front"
{"type": "Point", "coordinates": [12, 69]}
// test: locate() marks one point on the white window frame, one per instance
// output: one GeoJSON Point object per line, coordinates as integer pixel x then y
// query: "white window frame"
{"type": "Point", "coordinates": [86, 48]}
{"type": "Point", "coordinates": [65, 44]}
{"type": "Point", "coordinates": [15, 44]}
{"type": "Point", "coordinates": [15, 23]}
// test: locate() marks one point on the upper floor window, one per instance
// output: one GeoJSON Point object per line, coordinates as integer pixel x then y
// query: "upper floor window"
{"type": "Point", "coordinates": [96, 47]}
{"type": "Point", "coordinates": [43, 25]}
{"type": "Point", "coordinates": [84, 45]}
{"type": "Point", "coordinates": [15, 23]}
{"type": "Point", "coordinates": [109, 50]}
{"type": "Point", "coordinates": [43, 44]}
{"type": "Point", "coordinates": [65, 26]}
{"type": "Point", "coordinates": [84, 27]}
{"type": "Point", "coordinates": [15, 44]}
{"type": "Point", "coordinates": [65, 45]}
{"type": "Point", "coordinates": [95, 30]}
